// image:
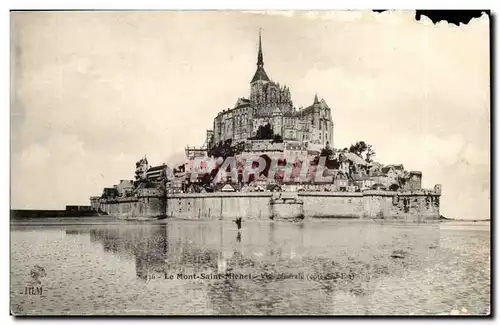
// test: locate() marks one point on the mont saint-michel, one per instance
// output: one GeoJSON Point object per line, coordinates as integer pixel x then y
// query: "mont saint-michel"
{"type": "Point", "coordinates": [249, 163]}
{"type": "Point", "coordinates": [265, 158]}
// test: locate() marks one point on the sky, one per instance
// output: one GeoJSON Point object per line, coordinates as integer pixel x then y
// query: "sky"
{"type": "Point", "coordinates": [93, 92]}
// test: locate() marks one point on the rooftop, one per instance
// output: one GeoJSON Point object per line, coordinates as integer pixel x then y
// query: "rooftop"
{"type": "Point", "coordinates": [152, 169]}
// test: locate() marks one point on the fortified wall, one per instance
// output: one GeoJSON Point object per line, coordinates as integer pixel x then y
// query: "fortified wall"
{"type": "Point", "coordinates": [149, 203]}
{"type": "Point", "coordinates": [413, 206]}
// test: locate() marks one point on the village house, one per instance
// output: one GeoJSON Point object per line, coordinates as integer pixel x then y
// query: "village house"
{"type": "Point", "coordinates": [414, 181]}
{"type": "Point", "coordinates": [344, 167]}
{"type": "Point", "coordinates": [175, 186]}
{"type": "Point", "coordinates": [363, 182]}
{"type": "Point", "coordinates": [392, 175]}
{"type": "Point", "coordinates": [295, 150]}
{"type": "Point", "coordinates": [398, 170]}
{"type": "Point", "coordinates": [380, 179]}
{"type": "Point", "coordinates": [341, 182]}
{"type": "Point", "coordinates": [273, 188]}
{"type": "Point", "coordinates": [227, 188]}
{"type": "Point", "coordinates": [155, 173]}
{"type": "Point", "coordinates": [125, 188]}
{"type": "Point", "coordinates": [110, 192]}
{"type": "Point", "coordinates": [291, 186]}
{"type": "Point", "coordinates": [141, 168]}
{"type": "Point", "coordinates": [259, 184]}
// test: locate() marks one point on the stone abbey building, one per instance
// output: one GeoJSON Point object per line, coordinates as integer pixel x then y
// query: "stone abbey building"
{"type": "Point", "coordinates": [271, 103]}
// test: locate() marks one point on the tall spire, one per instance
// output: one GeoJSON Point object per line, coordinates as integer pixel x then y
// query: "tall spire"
{"type": "Point", "coordinates": [316, 101]}
{"type": "Point", "coordinates": [260, 57]}
{"type": "Point", "coordinates": [260, 74]}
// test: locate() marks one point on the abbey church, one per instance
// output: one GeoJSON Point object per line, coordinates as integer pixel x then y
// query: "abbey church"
{"type": "Point", "coordinates": [271, 103]}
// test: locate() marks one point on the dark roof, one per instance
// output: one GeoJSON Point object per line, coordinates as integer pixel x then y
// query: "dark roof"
{"type": "Point", "coordinates": [272, 187]}
{"type": "Point", "coordinates": [385, 169]}
{"type": "Point", "coordinates": [260, 74]}
{"type": "Point", "coordinates": [109, 191]}
{"type": "Point", "coordinates": [143, 160]}
{"type": "Point", "coordinates": [308, 110]}
{"type": "Point", "coordinates": [357, 177]}
{"type": "Point", "coordinates": [140, 186]}
{"type": "Point", "coordinates": [241, 102]}
{"type": "Point", "coordinates": [316, 104]}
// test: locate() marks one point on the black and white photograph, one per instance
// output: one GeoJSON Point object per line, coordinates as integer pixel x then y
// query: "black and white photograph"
{"type": "Point", "coordinates": [250, 163]}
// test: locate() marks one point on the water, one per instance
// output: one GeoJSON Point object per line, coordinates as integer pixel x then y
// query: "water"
{"type": "Point", "coordinates": [109, 267]}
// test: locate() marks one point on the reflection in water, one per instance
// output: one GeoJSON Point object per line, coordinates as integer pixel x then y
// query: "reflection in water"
{"type": "Point", "coordinates": [272, 242]}
{"type": "Point", "coordinates": [157, 249]}
{"type": "Point", "coordinates": [350, 261]}
{"type": "Point", "coordinates": [359, 268]}
{"type": "Point", "coordinates": [173, 248]}
{"type": "Point", "coordinates": [323, 267]}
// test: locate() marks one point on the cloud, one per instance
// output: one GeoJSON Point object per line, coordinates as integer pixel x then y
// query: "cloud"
{"type": "Point", "coordinates": [35, 156]}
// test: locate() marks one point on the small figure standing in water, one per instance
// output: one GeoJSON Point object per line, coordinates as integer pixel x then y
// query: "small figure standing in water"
{"type": "Point", "coordinates": [238, 237]}
{"type": "Point", "coordinates": [238, 222]}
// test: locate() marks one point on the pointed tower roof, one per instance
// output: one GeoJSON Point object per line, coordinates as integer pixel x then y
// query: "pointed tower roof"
{"type": "Point", "coordinates": [260, 74]}
{"type": "Point", "coordinates": [316, 101]}
{"type": "Point", "coordinates": [260, 57]}
{"type": "Point", "coordinates": [323, 103]}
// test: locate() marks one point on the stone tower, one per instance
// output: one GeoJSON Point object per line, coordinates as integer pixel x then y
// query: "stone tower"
{"type": "Point", "coordinates": [259, 80]}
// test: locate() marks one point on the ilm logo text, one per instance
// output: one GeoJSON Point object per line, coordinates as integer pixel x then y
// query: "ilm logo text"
{"type": "Point", "coordinates": [33, 291]}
